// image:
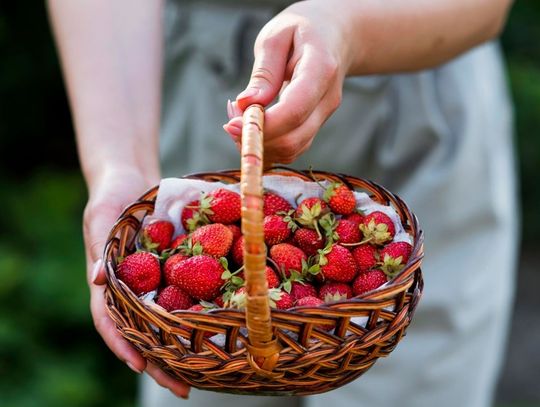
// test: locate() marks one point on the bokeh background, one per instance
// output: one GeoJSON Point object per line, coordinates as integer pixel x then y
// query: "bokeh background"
{"type": "Point", "coordinates": [49, 352]}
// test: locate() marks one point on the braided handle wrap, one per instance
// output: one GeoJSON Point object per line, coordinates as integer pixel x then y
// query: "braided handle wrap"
{"type": "Point", "coordinates": [263, 351]}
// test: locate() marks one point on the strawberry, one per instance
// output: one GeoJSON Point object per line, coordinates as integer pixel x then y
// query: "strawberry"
{"type": "Point", "coordinates": [220, 302]}
{"type": "Point", "coordinates": [170, 264]}
{"type": "Point", "coordinates": [368, 281]}
{"type": "Point", "coordinates": [280, 299]}
{"type": "Point", "coordinates": [355, 217]}
{"type": "Point", "coordinates": [276, 229]}
{"type": "Point", "coordinates": [309, 301]}
{"type": "Point", "coordinates": [197, 308]}
{"type": "Point", "coordinates": [236, 232]}
{"type": "Point", "coordinates": [237, 299]}
{"type": "Point", "coordinates": [340, 199]}
{"type": "Point", "coordinates": [331, 292]}
{"type": "Point", "coordinates": [337, 264]}
{"type": "Point", "coordinates": [366, 257]}
{"type": "Point", "coordinates": [347, 231]}
{"type": "Point", "coordinates": [177, 241]}
{"type": "Point", "coordinates": [156, 236]}
{"type": "Point", "coordinates": [287, 258]}
{"type": "Point", "coordinates": [199, 276]}
{"type": "Point", "coordinates": [215, 239]}
{"type": "Point", "coordinates": [378, 228]}
{"type": "Point", "coordinates": [309, 211]}
{"type": "Point", "coordinates": [271, 277]}
{"type": "Point", "coordinates": [173, 298]}
{"type": "Point", "coordinates": [273, 203]}
{"type": "Point", "coordinates": [394, 257]}
{"type": "Point", "coordinates": [192, 217]}
{"type": "Point", "coordinates": [308, 240]}
{"type": "Point", "coordinates": [140, 272]}
{"type": "Point", "coordinates": [301, 290]}
{"type": "Point", "coordinates": [221, 206]}
{"type": "Point", "coordinates": [237, 251]}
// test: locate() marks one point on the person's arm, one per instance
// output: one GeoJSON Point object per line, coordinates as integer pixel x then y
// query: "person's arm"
{"type": "Point", "coordinates": [315, 44]}
{"type": "Point", "coordinates": [111, 54]}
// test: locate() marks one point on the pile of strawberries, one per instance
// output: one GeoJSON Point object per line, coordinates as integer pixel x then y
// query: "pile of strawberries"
{"type": "Point", "coordinates": [323, 250]}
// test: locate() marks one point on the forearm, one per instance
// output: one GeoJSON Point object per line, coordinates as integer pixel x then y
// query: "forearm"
{"type": "Point", "coordinates": [395, 35]}
{"type": "Point", "coordinates": [111, 53]}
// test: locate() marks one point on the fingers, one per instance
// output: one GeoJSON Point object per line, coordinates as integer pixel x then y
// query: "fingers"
{"type": "Point", "coordinates": [313, 78]}
{"type": "Point", "coordinates": [107, 329]}
{"type": "Point", "coordinates": [178, 388]}
{"type": "Point", "coordinates": [272, 49]}
{"type": "Point", "coordinates": [287, 147]}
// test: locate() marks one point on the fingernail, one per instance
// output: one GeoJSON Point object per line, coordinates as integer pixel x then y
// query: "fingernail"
{"type": "Point", "coordinates": [230, 113]}
{"type": "Point", "coordinates": [232, 130]}
{"type": "Point", "coordinates": [249, 92]}
{"type": "Point", "coordinates": [133, 368]}
{"type": "Point", "coordinates": [235, 110]}
{"type": "Point", "coordinates": [95, 270]}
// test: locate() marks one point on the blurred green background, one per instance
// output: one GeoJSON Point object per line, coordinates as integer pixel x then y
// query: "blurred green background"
{"type": "Point", "coordinates": [49, 352]}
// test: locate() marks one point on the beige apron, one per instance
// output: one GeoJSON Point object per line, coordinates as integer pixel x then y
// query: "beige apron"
{"type": "Point", "coordinates": [440, 138]}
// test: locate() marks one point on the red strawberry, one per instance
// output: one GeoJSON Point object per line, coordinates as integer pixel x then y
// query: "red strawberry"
{"type": "Point", "coordinates": [238, 299]}
{"type": "Point", "coordinates": [237, 251]}
{"type": "Point", "coordinates": [236, 232]}
{"type": "Point", "coordinates": [177, 241]}
{"type": "Point", "coordinates": [378, 227]}
{"type": "Point", "coordinates": [301, 290]}
{"type": "Point", "coordinates": [368, 281]}
{"type": "Point", "coordinates": [170, 264]}
{"type": "Point", "coordinates": [340, 199]}
{"type": "Point", "coordinates": [309, 211]}
{"type": "Point", "coordinates": [199, 276]}
{"type": "Point", "coordinates": [309, 301]}
{"type": "Point", "coordinates": [192, 217]}
{"type": "Point", "coordinates": [394, 256]}
{"type": "Point", "coordinates": [173, 298]}
{"type": "Point", "coordinates": [157, 235]}
{"type": "Point", "coordinates": [331, 292]}
{"type": "Point", "coordinates": [354, 217]}
{"type": "Point", "coordinates": [222, 206]}
{"type": "Point", "coordinates": [287, 257]}
{"type": "Point", "coordinates": [273, 203]}
{"type": "Point", "coordinates": [215, 239]}
{"type": "Point", "coordinates": [348, 232]}
{"type": "Point", "coordinates": [276, 229]}
{"type": "Point", "coordinates": [140, 272]}
{"type": "Point", "coordinates": [308, 241]}
{"type": "Point", "coordinates": [366, 257]}
{"type": "Point", "coordinates": [219, 301]}
{"type": "Point", "coordinates": [271, 277]}
{"type": "Point", "coordinates": [197, 308]}
{"type": "Point", "coordinates": [337, 264]}
{"type": "Point", "coordinates": [280, 299]}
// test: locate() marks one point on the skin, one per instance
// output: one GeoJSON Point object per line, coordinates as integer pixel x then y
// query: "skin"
{"type": "Point", "coordinates": [111, 55]}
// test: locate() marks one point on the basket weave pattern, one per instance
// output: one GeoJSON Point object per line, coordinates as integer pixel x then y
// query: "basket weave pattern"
{"type": "Point", "coordinates": [266, 352]}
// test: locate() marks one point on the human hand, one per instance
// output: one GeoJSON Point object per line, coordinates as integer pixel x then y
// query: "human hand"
{"type": "Point", "coordinates": [302, 55]}
{"type": "Point", "coordinates": [109, 195]}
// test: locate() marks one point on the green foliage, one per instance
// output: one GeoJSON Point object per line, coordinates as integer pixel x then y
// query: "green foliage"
{"type": "Point", "coordinates": [50, 354]}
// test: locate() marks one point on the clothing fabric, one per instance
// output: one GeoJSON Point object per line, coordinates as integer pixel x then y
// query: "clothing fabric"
{"type": "Point", "coordinates": [440, 138]}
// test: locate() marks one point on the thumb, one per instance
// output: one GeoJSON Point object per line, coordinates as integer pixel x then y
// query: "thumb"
{"type": "Point", "coordinates": [271, 54]}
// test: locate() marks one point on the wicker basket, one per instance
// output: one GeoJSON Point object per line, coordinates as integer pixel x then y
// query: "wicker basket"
{"type": "Point", "coordinates": [265, 352]}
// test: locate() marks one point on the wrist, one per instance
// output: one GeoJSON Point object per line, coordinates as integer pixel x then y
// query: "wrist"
{"type": "Point", "coordinates": [116, 173]}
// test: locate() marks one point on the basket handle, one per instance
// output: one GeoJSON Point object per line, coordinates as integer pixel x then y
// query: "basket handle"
{"type": "Point", "coordinates": [263, 348]}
